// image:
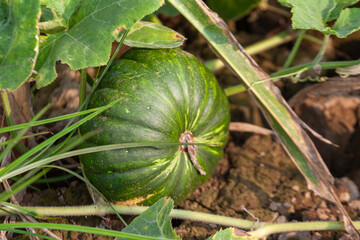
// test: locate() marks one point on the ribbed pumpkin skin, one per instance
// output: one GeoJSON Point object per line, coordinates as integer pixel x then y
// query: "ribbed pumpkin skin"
{"type": "Point", "coordinates": [164, 94]}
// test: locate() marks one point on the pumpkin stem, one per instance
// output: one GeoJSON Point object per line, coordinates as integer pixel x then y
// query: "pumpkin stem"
{"type": "Point", "coordinates": [187, 137]}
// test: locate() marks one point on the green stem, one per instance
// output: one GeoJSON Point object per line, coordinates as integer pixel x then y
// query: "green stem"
{"type": "Point", "coordinates": [295, 49]}
{"type": "Point", "coordinates": [234, 90]}
{"type": "Point", "coordinates": [102, 210]}
{"type": "Point", "coordinates": [10, 120]}
{"type": "Point", "coordinates": [153, 18]}
{"type": "Point", "coordinates": [293, 70]}
{"type": "Point", "coordinates": [269, 229]}
{"type": "Point", "coordinates": [313, 39]}
{"type": "Point", "coordinates": [89, 80]}
{"type": "Point", "coordinates": [262, 229]}
{"type": "Point", "coordinates": [256, 48]}
{"type": "Point", "coordinates": [82, 95]}
{"type": "Point", "coordinates": [321, 53]}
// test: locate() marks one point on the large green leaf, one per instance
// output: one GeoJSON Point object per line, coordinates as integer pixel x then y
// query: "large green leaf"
{"type": "Point", "coordinates": [232, 9]}
{"type": "Point", "coordinates": [90, 31]}
{"type": "Point", "coordinates": [348, 22]}
{"type": "Point", "coordinates": [152, 35]}
{"type": "Point", "coordinates": [340, 4]}
{"type": "Point", "coordinates": [307, 15]}
{"type": "Point", "coordinates": [154, 222]}
{"type": "Point", "coordinates": [18, 41]}
{"type": "Point", "coordinates": [280, 116]}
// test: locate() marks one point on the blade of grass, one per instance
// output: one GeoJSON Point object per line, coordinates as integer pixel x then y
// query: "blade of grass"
{"type": "Point", "coordinates": [47, 143]}
{"type": "Point", "coordinates": [22, 138]}
{"type": "Point", "coordinates": [22, 232]}
{"type": "Point", "coordinates": [278, 113]}
{"type": "Point", "coordinates": [10, 120]}
{"type": "Point", "coordinates": [51, 179]}
{"type": "Point", "coordinates": [21, 185]}
{"type": "Point", "coordinates": [256, 48]}
{"type": "Point", "coordinates": [293, 71]}
{"type": "Point", "coordinates": [51, 159]}
{"type": "Point", "coordinates": [77, 228]}
{"type": "Point", "coordinates": [295, 49]}
{"type": "Point", "coordinates": [46, 121]}
{"type": "Point", "coordinates": [10, 146]}
{"type": "Point", "coordinates": [91, 186]}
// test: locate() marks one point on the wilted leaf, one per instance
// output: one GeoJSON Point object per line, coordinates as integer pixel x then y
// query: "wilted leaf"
{"type": "Point", "coordinates": [87, 41]}
{"type": "Point", "coordinates": [18, 41]}
{"type": "Point", "coordinates": [152, 35]}
{"type": "Point", "coordinates": [154, 222]}
{"type": "Point", "coordinates": [63, 8]}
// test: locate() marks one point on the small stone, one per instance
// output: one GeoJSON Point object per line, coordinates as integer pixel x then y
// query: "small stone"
{"type": "Point", "coordinates": [308, 195]}
{"type": "Point", "coordinates": [274, 206]}
{"type": "Point", "coordinates": [212, 225]}
{"type": "Point", "coordinates": [352, 190]}
{"type": "Point", "coordinates": [295, 188]}
{"type": "Point", "coordinates": [323, 213]}
{"type": "Point", "coordinates": [355, 205]}
{"type": "Point", "coordinates": [316, 236]}
{"type": "Point", "coordinates": [286, 205]}
{"type": "Point", "coordinates": [345, 237]}
{"type": "Point", "coordinates": [295, 235]}
{"type": "Point", "coordinates": [323, 204]}
{"type": "Point", "coordinates": [281, 219]}
{"type": "Point", "coordinates": [274, 216]}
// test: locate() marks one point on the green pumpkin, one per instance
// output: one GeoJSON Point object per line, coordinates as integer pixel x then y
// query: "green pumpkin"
{"type": "Point", "coordinates": [167, 96]}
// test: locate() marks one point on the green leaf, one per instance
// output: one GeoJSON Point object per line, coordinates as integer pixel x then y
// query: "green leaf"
{"type": "Point", "coordinates": [231, 234]}
{"type": "Point", "coordinates": [340, 4]}
{"type": "Point", "coordinates": [63, 8]}
{"type": "Point", "coordinates": [154, 222]}
{"type": "Point", "coordinates": [284, 3]}
{"type": "Point", "coordinates": [51, 27]}
{"type": "Point", "coordinates": [87, 41]}
{"type": "Point", "coordinates": [18, 41]}
{"type": "Point", "coordinates": [307, 15]}
{"type": "Point", "coordinates": [152, 35]}
{"type": "Point", "coordinates": [348, 22]}
{"type": "Point", "coordinates": [232, 9]}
